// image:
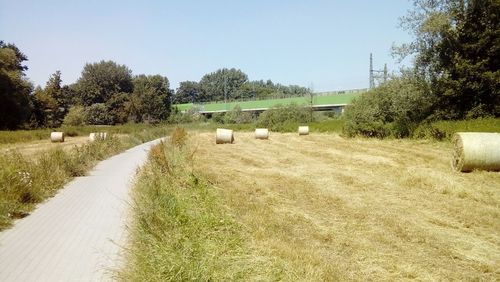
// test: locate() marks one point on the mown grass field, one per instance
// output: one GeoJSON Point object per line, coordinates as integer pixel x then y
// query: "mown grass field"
{"type": "Point", "coordinates": [312, 208]}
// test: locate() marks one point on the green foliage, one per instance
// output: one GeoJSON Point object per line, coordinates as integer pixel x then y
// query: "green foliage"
{"type": "Point", "coordinates": [100, 81]}
{"type": "Point", "coordinates": [119, 107]}
{"type": "Point", "coordinates": [50, 104]}
{"type": "Point", "coordinates": [190, 116]}
{"type": "Point", "coordinates": [237, 116]}
{"type": "Point", "coordinates": [457, 51]}
{"type": "Point", "coordinates": [329, 125]}
{"type": "Point", "coordinates": [181, 231]}
{"type": "Point", "coordinates": [220, 82]}
{"type": "Point", "coordinates": [14, 88]}
{"type": "Point", "coordinates": [444, 130]}
{"type": "Point", "coordinates": [97, 114]}
{"type": "Point", "coordinates": [236, 84]}
{"type": "Point", "coordinates": [151, 99]}
{"type": "Point", "coordinates": [393, 109]}
{"type": "Point", "coordinates": [75, 116]}
{"type": "Point", "coordinates": [218, 117]}
{"type": "Point", "coordinates": [285, 118]}
{"type": "Point", "coordinates": [188, 92]}
{"type": "Point", "coordinates": [26, 181]}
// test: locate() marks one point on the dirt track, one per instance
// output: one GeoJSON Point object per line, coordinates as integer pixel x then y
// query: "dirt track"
{"type": "Point", "coordinates": [324, 207]}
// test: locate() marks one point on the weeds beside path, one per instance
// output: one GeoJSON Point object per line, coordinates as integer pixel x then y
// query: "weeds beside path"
{"type": "Point", "coordinates": [28, 180]}
{"type": "Point", "coordinates": [181, 230]}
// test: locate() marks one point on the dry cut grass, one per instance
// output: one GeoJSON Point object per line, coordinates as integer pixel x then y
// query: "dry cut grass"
{"type": "Point", "coordinates": [325, 208]}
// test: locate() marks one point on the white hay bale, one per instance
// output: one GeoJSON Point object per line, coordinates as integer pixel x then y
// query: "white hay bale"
{"type": "Point", "coordinates": [98, 136]}
{"type": "Point", "coordinates": [476, 150]}
{"type": "Point", "coordinates": [261, 133]}
{"type": "Point", "coordinates": [303, 130]}
{"type": "Point", "coordinates": [57, 136]}
{"type": "Point", "coordinates": [224, 136]}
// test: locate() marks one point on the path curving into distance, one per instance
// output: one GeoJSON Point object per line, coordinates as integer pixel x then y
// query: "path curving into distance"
{"type": "Point", "coordinates": [78, 234]}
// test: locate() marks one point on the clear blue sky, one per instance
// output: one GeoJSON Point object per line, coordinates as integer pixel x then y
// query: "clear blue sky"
{"type": "Point", "coordinates": [325, 44]}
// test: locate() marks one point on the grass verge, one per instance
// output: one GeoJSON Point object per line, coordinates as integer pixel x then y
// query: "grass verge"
{"type": "Point", "coordinates": [444, 130]}
{"type": "Point", "coordinates": [180, 229]}
{"type": "Point", "coordinates": [27, 181]}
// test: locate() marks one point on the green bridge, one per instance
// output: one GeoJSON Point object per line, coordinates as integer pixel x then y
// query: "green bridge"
{"type": "Point", "coordinates": [327, 101]}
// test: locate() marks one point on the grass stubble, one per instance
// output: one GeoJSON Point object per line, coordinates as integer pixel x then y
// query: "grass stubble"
{"type": "Point", "coordinates": [313, 208]}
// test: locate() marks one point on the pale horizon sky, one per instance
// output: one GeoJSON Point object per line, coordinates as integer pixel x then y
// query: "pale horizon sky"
{"type": "Point", "coordinates": [323, 44]}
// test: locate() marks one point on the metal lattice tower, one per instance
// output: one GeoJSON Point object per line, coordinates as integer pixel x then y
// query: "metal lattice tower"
{"type": "Point", "coordinates": [376, 73]}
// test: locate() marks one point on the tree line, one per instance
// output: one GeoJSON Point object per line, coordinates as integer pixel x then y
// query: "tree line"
{"type": "Point", "coordinates": [108, 93]}
{"type": "Point", "coordinates": [105, 93]}
{"type": "Point", "coordinates": [230, 85]}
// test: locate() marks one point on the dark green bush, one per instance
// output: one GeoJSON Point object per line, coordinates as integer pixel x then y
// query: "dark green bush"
{"type": "Point", "coordinates": [395, 109]}
{"type": "Point", "coordinates": [98, 114]}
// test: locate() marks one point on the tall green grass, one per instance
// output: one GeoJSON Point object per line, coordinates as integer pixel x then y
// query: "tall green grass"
{"type": "Point", "coordinates": [444, 130]}
{"type": "Point", "coordinates": [181, 231]}
{"type": "Point", "coordinates": [26, 181]}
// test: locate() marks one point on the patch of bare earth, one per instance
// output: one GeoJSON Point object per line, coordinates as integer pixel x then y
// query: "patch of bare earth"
{"type": "Point", "coordinates": [321, 207]}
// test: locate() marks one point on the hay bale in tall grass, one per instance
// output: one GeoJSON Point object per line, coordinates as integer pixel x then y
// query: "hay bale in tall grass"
{"type": "Point", "coordinates": [223, 136]}
{"type": "Point", "coordinates": [94, 136]}
{"type": "Point", "coordinates": [303, 130]}
{"type": "Point", "coordinates": [57, 136]}
{"type": "Point", "coordinates": [261, 133]}
{"type": "Point", "coordinates": [476, 150]}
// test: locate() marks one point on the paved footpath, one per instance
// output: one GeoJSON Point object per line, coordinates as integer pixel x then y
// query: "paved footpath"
{"type": "Point", "coordinates": [77, 235]}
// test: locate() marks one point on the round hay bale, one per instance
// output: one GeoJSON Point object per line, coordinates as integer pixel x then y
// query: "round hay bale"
{"type": "Point", "coordinates": [303, 130]}
{"type": "Point", "coordinates": [98, 136]}
{"type": "Point", "coordinates": [57, 136]}
{"type": "Point", "coordinates": [223, 136]}
{"type": "Point", "coordinates": [476, 150]}
{"type": "Point", "coordinates": [261, 133]}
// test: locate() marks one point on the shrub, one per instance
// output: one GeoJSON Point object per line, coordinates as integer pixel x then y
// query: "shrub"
{"type": "Point", "coordinates": [191, 115]}
{"type": "Point", "coordinates": [98, 114]}
{"type": "Point", "coordinates": [218, 117]}
{"type": "Point", "coordinates": [393, 109]}
{"type": "Point", "coordinates": [285, 118]}
{"type": "Point", "coordinates": [75, 116]}
{"type": "Point", "coordinates": [237, 116]}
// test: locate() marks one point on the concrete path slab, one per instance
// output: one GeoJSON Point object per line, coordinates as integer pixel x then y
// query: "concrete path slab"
{"type": "Point", "coordinates": [78, 234]}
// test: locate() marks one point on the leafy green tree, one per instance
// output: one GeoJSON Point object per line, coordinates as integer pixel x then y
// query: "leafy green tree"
{"type": "Point", "coordinates": [222, 83]}
{"type": "Point", "coordinates": [118, 107]}
{"type": "Point", "coordinates": [188, 92]}
{"type": "Point", "coordinates": [150, 101]}
{"type": "Point", "coordinates": [50, 102]}
{"type": "Point", "coordinates": [457, 51]}
{"type": "Point", "coordinates": [100, 81]}
{"type": "Point", "coordinates": [14, 88]}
